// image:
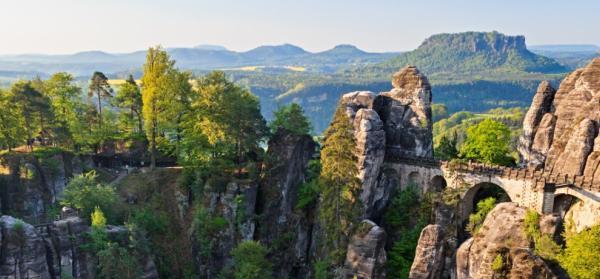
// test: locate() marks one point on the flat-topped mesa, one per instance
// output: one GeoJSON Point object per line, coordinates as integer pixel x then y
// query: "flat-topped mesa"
{"type": "Point", "coordinates": [406, 114]}
{"type": "Point", "coordinates": [560, 133]}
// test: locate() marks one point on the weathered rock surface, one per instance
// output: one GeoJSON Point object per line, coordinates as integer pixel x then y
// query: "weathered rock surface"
{"type": "Point", "coordinates": [23, 251]}
{"type": "Point", "coordinates": [563, 140]}
{"type": "Point", "coordinates": [502, 233]}
{"type": "Point", "coordinates": [366, 255]}
{"type": "Point", "coordinates": [370, 141]}
{"type": "Point", "coordinates": [541, 106]}
{"type": "Point", "coordinates": [280, 224]}
{"type": "Point", "coordinates": [235, 202]}
{"type": "Point", "coordinates": [429, 256]}
{"type": "Point", "coordinates": [55, 249]}
{"type": "Point", "coordinates": [406, 114]}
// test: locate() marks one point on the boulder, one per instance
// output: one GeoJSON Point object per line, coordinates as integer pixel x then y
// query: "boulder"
{"type": "Point", "coordinates": [406, 114]}
{"type": "Point", "coordinates": [366, 257]}
{"type": "Point", "coordinates": [501, 234]}
{"type": "Point", "coordinates": [429, 256]}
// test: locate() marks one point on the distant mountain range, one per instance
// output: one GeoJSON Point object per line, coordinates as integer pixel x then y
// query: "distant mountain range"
{"type": "Point", "coordinates": [202, 57]}
{"type": "Point", "coordinates": [572, 56]}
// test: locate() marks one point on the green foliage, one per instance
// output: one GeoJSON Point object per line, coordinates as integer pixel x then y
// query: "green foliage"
{"type": "Point", "coordinates": [476, 219]}
{"type": "Point", "coordinates": [438, 111]}
{"type": "Point", "coordinates": [446, 149]}
{"type": "Point", "coordinates": [18, 229]}
{"type": "Point", "coordinates": [157, 95]}
{"type": "Point", "coordinates": [151, 221]}
{"type": "Point", "coordinates": [580, 257]}
{"type": "Point", "coordinates": [98, 219]}
{"type": "Point", "coordinates": [84, 193]}
{"type": "Point", "coordinates": [11, 122]}
{"type": "Point", "coordinates": [308, 194]}
{"type": "Point", "coordinates": [207, 228]}
{"type": "Point", "coordinates": [225, 125]}
{"type": "Point", "coordinates": [340, 188]}
{"type": "Point", "coordinates": [498, 264]}
{"type": "Point", "coordinates": [290, 117]}
{"type": "Point", "coordinates": [322, 270]}
{"type": "Point", "coordinates": [488, 142]}
{"type": "Point", "coordinates": [116, 262]}
{"type": "Point", "coordinates": [129, 97]}
{"type": "Point", "coordinates": [250, 262]}
{"type": "Point", "coordinates": [34, 106]}
{"type": "Point", "coordinates": [405, 218]}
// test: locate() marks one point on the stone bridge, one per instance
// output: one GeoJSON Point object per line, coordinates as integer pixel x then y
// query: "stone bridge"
{"type": "Point", "coordinates": [541, 190]}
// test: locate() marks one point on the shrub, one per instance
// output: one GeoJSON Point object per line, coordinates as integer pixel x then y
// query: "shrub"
{"type": "Point", "coordinates": [250, 262]}
{"type": "Point", "coordinates": [117, 262]}
{"type": "Point", "coordinates": [476, 219]}
{"type": "Point", "coordinates": [580, 258]}
{"type": "Point", "coordinates": [498, 264]}
{"type": "Point", "coordinates": [85, 194]}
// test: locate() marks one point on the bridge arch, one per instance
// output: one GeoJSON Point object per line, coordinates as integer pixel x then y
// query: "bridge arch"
{"type": "Point", "coordinates": [414, 178]}
{"type": "Point", "coordinates": [437, 183]}
{"type": "Point", "coordinates": [479, 192]}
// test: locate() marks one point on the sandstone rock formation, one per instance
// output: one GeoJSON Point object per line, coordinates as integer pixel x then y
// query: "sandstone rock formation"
{"type": "Point", "coordinates": [55, 250]}
{"type": "Point", "coordinates": [406, 114]}
{"type": "Point", "coordinates": [429, 256]}
{"type": "Point", "coordinates": [366, 255]}
{"type": "Point", "coordinates": [23, 251]}
{"type": "Point", "coordinates": [287, 161]}
{"type": "Point", "coordinates": [534, 149]}
{"type": "Point", "coordinates": [397, 122]}
{"type": "Point", "coordinates": [560, 132]}
{"type": "Point", "coordinates": [501, 234]}
{"type": "Point", "coordinates": [234, 202]}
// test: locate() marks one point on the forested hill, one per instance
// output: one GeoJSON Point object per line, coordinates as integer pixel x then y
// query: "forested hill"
{"type": "Point", "coordinates": [473, 55]}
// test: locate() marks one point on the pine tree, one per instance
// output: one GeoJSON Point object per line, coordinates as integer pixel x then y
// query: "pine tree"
{"type": "Point", "coordinates": [100, 88]}
{"type": "Point", "coordinates": [129, 97]}
{"type": "Point", "coordinates": [340, 204]}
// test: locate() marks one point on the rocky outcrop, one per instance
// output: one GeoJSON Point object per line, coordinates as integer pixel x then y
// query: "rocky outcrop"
{"type": "Point", "coordinates": [370, 141]}
{"type": "Point", "coordinates": [534, 151]}
{"type": "Point", "coordinates": [563, 140]}
{"type": "Point", "coordinates": [366, 255]}
{"type": "Point", "coordinates": [501, 234]}
{"type": "Point", "coordinates": [406, 114]}
{"type": "Point", "coordinates": [56, 250]}
{"type": "Point", "coordinates": [429, 256]}
{"type": "Point", "coordinates": [23, 251]}
{"type": "Point", "coordinates": [233, 202]}
{"type": "Point", "coordinates": [280, 224]}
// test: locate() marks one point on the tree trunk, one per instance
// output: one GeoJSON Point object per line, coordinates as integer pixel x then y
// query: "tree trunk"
{"type": "Point", "coordinates": [153, 147]}
{"type": "Point", "coordinates": [99, 109]}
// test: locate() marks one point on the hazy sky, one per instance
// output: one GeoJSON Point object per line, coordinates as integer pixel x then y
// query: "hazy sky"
{"type": "Point", "coordinates": [65, 26]}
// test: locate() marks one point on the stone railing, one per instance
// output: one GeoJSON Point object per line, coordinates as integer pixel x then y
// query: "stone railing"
{"type": "Point", "coordinates": [538, 175]}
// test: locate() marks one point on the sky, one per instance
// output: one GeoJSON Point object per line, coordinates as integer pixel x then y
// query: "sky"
{"type": "Point", "coordinates": [68, 26]}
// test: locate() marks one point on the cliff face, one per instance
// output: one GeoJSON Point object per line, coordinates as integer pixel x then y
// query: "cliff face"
{"type": "Point", "coordinates": [560, 130]}
{"type": "Point", "coordinates": [280, 224]}
{"type": "Point", "coordinates": [55, 250]}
